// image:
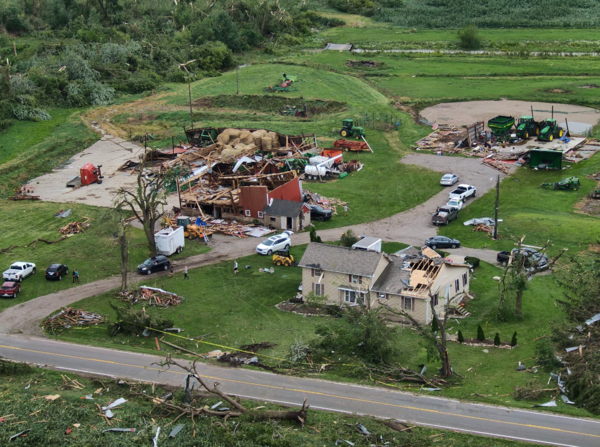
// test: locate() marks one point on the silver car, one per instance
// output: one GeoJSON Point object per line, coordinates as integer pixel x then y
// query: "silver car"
{"type": "Point", "coordinates": [449, 179]}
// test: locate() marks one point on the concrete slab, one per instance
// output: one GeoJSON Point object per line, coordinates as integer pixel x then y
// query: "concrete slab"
{"type": "Point", "coordinates": [52, 187]}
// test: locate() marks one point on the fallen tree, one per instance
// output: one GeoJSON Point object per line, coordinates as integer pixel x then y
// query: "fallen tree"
{"type": "Point", "coordinates": [236, 409]}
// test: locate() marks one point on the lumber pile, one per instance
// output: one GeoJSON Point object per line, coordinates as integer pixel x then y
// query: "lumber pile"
{"type": "Point", "coordinates": [75, 227]}
{"type": "Point", "coordinates": [69, 317]}
{"type": "Point", "coordinates": [24, 193]}
{"type": "Point", "coordinates": [326, 202]}
{"type": "Point", "coordinates": [152, 297]}
{"type": "Point", "coordinates": [496, 165]}
{"type": "Point", "coordinates": [485, 229]}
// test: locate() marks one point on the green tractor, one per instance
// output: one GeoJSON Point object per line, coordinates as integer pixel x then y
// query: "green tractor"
{"type": "Point", "coordinates": [566, 183]}
{"type": "Point", "coordinates": [527, 127]}
{"type": "Point", "coordinates": [348, 130]}
{"type": "Point", "coordinates": [550, 130]}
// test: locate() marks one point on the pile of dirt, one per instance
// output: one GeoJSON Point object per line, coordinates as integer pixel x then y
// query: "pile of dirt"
{"type": "Point", "coordinates": [268, 104]}
{"type": "Point", "coordinates": [589, 86]}
{"type": "Point", "coordinates": [364, 64]}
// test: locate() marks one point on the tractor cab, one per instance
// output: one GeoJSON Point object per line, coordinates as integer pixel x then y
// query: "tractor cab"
{"type": "Point", "coordinates": [349, 130]}
{"type": "Point", "coordinates": [527, 126]}
{"type": "Point", "coordinates": [550, 130]}
{"type": "Point", "coordinates": [283, 258]}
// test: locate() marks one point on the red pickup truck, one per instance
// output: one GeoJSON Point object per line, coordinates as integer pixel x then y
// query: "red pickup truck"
{"type": "Point", "coordinates": [10, 289]}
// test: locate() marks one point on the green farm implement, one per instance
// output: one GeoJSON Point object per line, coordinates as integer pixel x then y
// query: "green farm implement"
{"type": "Point", "coordinates": [527, 127]}
{"type": "Point", "coordinates": [293, 111]}
{"type": "Point", "coordinates": [349, 130]}
{"type": "Point", "coordinates": [550, 130]}
{"type": "Point", "coordinates": [566, 183]}
{"type": "Point", "coordinates": [501, 127]}
{"type": "Point", "coordinates": [286, 85]}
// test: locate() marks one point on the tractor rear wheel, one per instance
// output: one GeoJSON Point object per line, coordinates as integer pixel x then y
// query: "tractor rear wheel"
{"type": "Point", "coordinates": [344, 132]}
{"type": "Point", "coordinates": [560, 133]}
{"type": "Point", "coordinates": [551, 137]}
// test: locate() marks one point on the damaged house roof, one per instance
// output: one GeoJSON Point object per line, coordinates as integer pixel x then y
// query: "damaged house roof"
{"type": "Point", "coordinates": [395, 277]}
{"type": "Point", "coordinates": [285, 208]}
{"type": "Point", "coordinates": [331, 258]}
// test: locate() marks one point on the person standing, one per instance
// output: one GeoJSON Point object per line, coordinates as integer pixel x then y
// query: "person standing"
{"type": "Point", "coordinates": [185, 273]}
{"type": "Point", "coordinates": [74, 275]}
{"type": "Point", "coordinates": [171, 271]}
{"type": "Point", "coordinates": [235, 267]}
{"type": "Point", "coordinates": [345, 210]}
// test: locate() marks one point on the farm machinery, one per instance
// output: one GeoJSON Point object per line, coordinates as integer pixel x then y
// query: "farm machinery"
{"type": "Point", "coordinates": [501, 127]}
{"type": "Point", "coordinates": [354, 146]}
{"type": "Point", "coordinates": [564, 184]}
{"type": "Point", "coordinates": [527, 127]}
{"type": "Point", "coordinates": [88, 174]}
{"type": "Point", "coordinates": [350, 130]}
{"type": "Point", "coordinates": [286, 85]}
{"type": "Point", "coordinates": [293, 111]}
{"type": "Point", "coordinates": [550, 130]}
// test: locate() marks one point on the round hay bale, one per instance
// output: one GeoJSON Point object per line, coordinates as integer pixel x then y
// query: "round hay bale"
{"type": "Point", "coordinates": [223, 138]}
{"type": "Point", "coordinates": [275, 139]}
{"type": "Point", "coordinates": [232, 132]}
{"type": "Point", "coordinates": [228, 155]}
{"type": "Point", "coordinates": [259, 133]}
{"type": "Point", "coordinates": [234, 142]}
{"type": "Point", "coordinates": [266, 143]}
{"type": "Point", "coordinates": [246, 137]}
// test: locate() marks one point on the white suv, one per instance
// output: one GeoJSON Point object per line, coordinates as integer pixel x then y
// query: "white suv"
{"type": "Point", "coordinates": [275, 243]}
{"type": "Point", "coordinates": [18, 271]}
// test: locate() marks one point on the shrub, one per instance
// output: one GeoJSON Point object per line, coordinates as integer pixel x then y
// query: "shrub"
{"type": "Point", "coordinates": [480, 334]}
{"type": "Point", "coordinates": [473, 261]}
{"type": "Point", "coordinates": [348, 239]}
{"type": "Point", "coordinates": [26, 113]}
{"type": "Point", "coordinates": [313, 235]}
{"type": "Point", "coordinates": [461, 338]}
{"type": "Point", "coordinates": [213, 56]}
{"type": "Point", "coordinates": [298, 351]}
{"type": "Point", "coordinates": [130, 321]}
{"type": "Point", "coordinates": [142, 81]}
{"type": "Point", "coordinates": [469, 38]}
{"type": "Point", "coordinates": [497, 339]}
{"type": "Point", "coordinates": [316, 300]}
{"type": "Point", "coordinates": [513, 340]}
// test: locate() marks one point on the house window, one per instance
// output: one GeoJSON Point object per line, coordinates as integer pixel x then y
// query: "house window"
{"type": "Point", "coordinates": [407, 303]}
{"type": "Point", "coordinates": [247, 213]}
{"type": "Point", "coordinates": [260, 215]}
{"type": "Point", "coordinates": [316, 272]}
{"type": "Point", "coordinates": [318, 289]}
{"type": "Point", "coordinates": [457, 285]}
{"type": "Point", "coordinates": [435, 299]}
{"type": "Point", "coordinates": [465, 279]}
{"type": "Point", "coordinates": [355, 279]}
{"type": "Point", "coordinates": [273, 219]}
{"type": "Point", "coordinates": [353, 297]}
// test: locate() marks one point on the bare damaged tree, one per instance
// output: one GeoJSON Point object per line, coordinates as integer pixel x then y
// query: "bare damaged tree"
{"type": "Point", "coordinates": [237, 409]}
{"type": "Point", "coordinates": [144, 202]}
{"type": "Point", "coordinates": [425, 331]}
{"type": "Point", "coordinates": [519, 270]}
{"type": "Point", "coordinates": [124, 244]}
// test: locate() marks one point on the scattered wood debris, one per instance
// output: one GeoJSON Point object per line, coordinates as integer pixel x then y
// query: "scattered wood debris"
{"type": "Point", "coordinates": [496, 165]}
{"type": "Point", "coordinates": [69, 384]}
{"type": "Point", "coordinates": [24, 193]}
{"type": "Point", "coordinates": [152, 297]}
{"type": "Point", "coordinates": [75, 227]}
{"type": "Point", "coordinates": [69, 317]}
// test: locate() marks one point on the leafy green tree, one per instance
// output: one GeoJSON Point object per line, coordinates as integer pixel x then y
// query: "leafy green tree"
{"type": "Point", "coordinates": [226, 31]}
{"type": "Point", "coordinates": [348, 239]}
{"type": "Point", "coordinates": [468, 37]}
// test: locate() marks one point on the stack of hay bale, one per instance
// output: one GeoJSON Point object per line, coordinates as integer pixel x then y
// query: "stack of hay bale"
{"type": "Point", "coordinates": [233, 143]}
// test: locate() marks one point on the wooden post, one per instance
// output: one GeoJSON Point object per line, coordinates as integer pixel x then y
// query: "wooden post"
{"type": "Point", "coordinates": [237, 80]}
{"type": "Point", "coordinates": [178, 189]}
{"type": "Point", "coordinates": [497, 203]}
{"type": "Point", "coordinates": [190, 94]}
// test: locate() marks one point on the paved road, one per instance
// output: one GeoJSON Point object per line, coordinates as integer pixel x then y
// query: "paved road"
{"type": "Point", "coordinates": [423, 410]}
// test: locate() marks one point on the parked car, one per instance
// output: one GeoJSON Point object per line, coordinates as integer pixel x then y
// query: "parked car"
{"type": "Point", "coordinates": [444, 215]}
{"type": "Point", "coordinates": [533, 258]}
{"type": "Point", "coordinates": [463, 192]}
{"type": "Point", "coordinates": [10, 289]}
{"type": "Point", "coordinates": [155, 264]}
{"type": "Point", "coordinates": [442, 242]}
{"type": "Point", "coordinates": [317, 212]}
{"type": "Point", "coordinates": [449, 179]}
{"type": "Point", "coordinates": [455, 203]}
{"type": "Point", "coordinates": [278, 242]}
{"type": "Point", "coordinates": [57, 271]}
{"type": "Point", "coordinates": [19, 271]}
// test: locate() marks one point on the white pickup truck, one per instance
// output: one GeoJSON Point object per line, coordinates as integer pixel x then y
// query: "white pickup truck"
{"type": "Point", "coordinates": [463, 191]}
{"type": "Point", "coordinates": [18, 271]}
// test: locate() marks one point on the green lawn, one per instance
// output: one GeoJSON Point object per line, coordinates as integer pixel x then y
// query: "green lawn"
{"type": "Point", "coordinates": [95, 253]}
{"type": "Point", "coordinates": [22, 390]}
{"type": "Point", "coordinates": [28, 150]}
{"type": "Point", "coordinates": [540, 213]}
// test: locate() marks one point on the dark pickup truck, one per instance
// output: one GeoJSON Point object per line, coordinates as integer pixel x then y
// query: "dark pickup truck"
{"type": "Point", "coordinates": [533, 258]}
{"type": "Point", "coordinates": [444, 215]}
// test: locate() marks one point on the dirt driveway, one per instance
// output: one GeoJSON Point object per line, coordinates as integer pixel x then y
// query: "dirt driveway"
{"type": "Point", "coordinates": [461, 113]}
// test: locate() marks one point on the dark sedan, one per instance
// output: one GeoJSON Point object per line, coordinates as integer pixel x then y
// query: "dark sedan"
{"type": "Point", "coordinates": [442, 242]}
{"type": "Point", "coordinates": [57, 271]}
{"type": "Point", "coordinates": [317, 212]}
{"type": "Point", "coordinates": [152, 265]}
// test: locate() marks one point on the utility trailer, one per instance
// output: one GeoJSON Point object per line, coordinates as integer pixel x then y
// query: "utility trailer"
{"type": "Point", "coordinates": [169, 240]}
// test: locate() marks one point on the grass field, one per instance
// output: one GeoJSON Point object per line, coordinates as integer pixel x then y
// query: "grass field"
{"type": "Point", "coordinates": [540, 213]}
{"type": "Point", "coordinates": [28, 150]}
{"type": "Point", "coordinates": [95, 253]}
{"type": "Point", "coordinates": [48, 419]}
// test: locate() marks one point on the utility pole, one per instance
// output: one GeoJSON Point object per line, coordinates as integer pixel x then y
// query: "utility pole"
{"type": "Point", "coordinates": [190, 93]}
{"type": "Point", "coordinates": [497, 203]}
{"type": "Point", "coordinates": [237, 80]}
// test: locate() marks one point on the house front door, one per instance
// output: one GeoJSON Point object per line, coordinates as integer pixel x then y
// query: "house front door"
{"type": "Point", "coordinates": [290, 223]}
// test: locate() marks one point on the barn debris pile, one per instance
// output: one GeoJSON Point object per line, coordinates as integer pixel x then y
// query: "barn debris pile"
{"type": "Point", "coordinates": [152, 297]}
{"type": "Point", "coordinates": [69, 317]}
{"type": "Point", "coordinates": [75, 227]}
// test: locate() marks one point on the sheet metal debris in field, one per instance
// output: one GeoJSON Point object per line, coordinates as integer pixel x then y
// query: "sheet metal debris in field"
{"type": "Point", "coordinates": [21, 434]}
{"type": "Point", "coordinates": [552, 403]}
{"type": "Point", "coordinates": [176, 431]}
{"type": "Point", "coordinates": [120, 430]}
{"type": "Point", "coordinates": [115, 404]}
